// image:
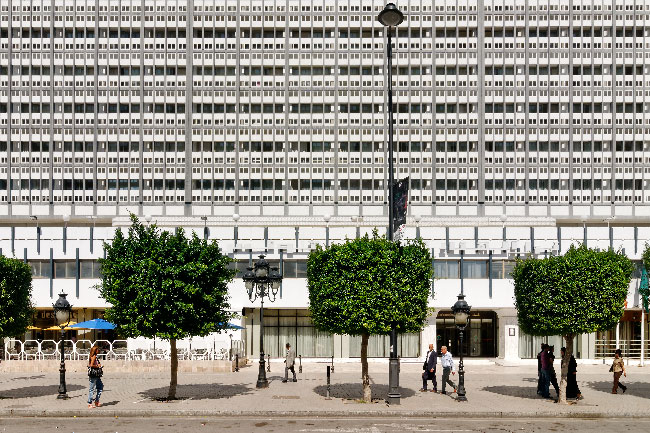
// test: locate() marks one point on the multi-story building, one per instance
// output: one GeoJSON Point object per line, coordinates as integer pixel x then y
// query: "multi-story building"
{"type": "Point", "coordinates": [276, 111]}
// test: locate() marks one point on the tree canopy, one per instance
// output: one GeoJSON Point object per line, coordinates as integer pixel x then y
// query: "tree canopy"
{"type": "Point", "coordinates": [368, 284]}
{"type": "Point", "coordinates": [582, 291]}
{"type": "Point", "coordinates": [162, 284]}
{"type": "Point", "coordinates": [15, 297]}
{"type": "Point", "coordinates": [579, 292]}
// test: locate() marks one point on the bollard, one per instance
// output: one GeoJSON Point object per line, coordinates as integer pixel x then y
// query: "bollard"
{"type": "Point", "coordinates": [237, 362]}
{"type": "Point", "coordinates": [328, 381]}
{"type": "Point", "coordinates": [268, 363]}
{"type": "Point", "coordinates": [300, 366]}
{"type": "Point", "coordinates": [332, 363]}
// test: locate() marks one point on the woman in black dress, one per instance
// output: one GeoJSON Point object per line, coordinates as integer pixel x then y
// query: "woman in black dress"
{"type": "Point", "coordinates": [572, 390]}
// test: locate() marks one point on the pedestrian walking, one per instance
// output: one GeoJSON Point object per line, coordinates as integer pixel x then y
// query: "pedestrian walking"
{"type": "Point", "coordinates": [540, 378]}
{"type": "Point", "coordinates": [572, 390]}
{"type": "Point", "coordinates": [447, 363]}
{"type": "Point", "coordinates": [546, 374]}
{"type": "Point", "coordinates": [429, 367]}
{"type": "Point", "coordinates": [289, 362]}
{"type": "Point", "coordinates": [618, 368]}
{"type": "Point", "coordinates": [553, 375]}
{"type": "Point", "coordinates": [95, 373]}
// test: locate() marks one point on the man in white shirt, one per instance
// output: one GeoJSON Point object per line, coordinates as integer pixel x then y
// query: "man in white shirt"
{"type": "Point", "coordinates": [447, 367]}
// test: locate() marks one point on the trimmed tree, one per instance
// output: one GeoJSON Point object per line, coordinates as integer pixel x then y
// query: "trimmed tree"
{"type": "Point", "coordinates": [367, 285]}
{"type": "Point", "coordinates": [164, 285]}
{"type": "Point", "coordinates": [15, 297]}
{"type": "Point", "coordinates": [582, 291]}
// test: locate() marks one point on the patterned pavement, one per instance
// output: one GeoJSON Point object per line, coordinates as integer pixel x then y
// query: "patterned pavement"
{"type": "Point", "coordinates": [492, 391]}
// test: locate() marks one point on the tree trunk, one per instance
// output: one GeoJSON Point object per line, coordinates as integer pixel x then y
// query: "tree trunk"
{"type": "Point", "coordinates": [174, 370]}
{"type": "Point", "coordinates": [564, 367]}
{"type": "Point", "coordinates": [365, 377]}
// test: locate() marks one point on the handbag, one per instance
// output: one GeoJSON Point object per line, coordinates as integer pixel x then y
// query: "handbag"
{"type": "Point", "coordinates": [95, 371]}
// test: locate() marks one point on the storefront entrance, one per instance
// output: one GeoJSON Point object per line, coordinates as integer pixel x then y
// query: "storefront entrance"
{"type": "Point", "coordinates": [480, 338]}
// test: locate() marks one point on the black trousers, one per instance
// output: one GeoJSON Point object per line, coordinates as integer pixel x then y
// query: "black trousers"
{"type": "Point", "coordinates": [427, 375]}
{"type": "Point", "coordinates": [286, 372]}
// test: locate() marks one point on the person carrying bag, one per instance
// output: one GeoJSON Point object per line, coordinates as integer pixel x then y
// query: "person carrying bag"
{"type": "Point", "coordinates": [95, 373]}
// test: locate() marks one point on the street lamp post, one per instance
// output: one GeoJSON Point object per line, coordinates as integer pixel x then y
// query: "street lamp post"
{"type": "Point", "coordinates": [461, 312]}
{"type": "Point", "coordinates": [62, 315]}
{"type": "Point", "coordinates": [391, 17]}
{"type": "Point", "coordinates": [260, 281]}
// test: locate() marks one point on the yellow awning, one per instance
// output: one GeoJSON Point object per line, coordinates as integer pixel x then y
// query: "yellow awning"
{"type": "Point", "coordinates": [58, 328]}
{"type": "Point", "coordinates": [33, 328]}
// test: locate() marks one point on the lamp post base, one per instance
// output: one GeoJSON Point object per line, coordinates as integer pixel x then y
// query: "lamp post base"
{"type": "Point", "coordinates": [261, 376]}
{"type": "Point", "coordinates": [394, 395]}
{"type": "Point", "coordinates": [62, 397]}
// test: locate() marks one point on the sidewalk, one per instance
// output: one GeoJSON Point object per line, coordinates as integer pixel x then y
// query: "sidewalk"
{"type": "Point", "coordinates": [492, 391]}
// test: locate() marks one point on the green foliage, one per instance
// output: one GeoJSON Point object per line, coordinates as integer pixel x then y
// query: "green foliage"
{"type": "Point", "coordinates": [165, 285]}
{"type": "Point", "coordinates": [15, 297]}
{"type": "Point", "coordinates": [367, 284]}
{"type": "Point", "coordinates": [644, 290]}
{"type": "Point", "coordinates": [579, 292]}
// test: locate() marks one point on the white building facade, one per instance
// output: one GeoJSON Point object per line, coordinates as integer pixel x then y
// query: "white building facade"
{"type": "Point", "coordinates": [276, 111]}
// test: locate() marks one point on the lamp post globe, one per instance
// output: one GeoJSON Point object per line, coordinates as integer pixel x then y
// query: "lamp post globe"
{"type": "Point", "coordinates": [461, 310]}
{"type": "Point", "coordinates": [262, 281]}
{"type": "Point", "coordinates": [390, 16]}
{"type": "Point", "coordinates": [62, 315]}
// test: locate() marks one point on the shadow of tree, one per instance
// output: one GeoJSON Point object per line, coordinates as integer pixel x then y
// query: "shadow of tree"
{"type": "Point", "coordinates": [37, 391]}
{"type": "Point", "coordinates": [201, 391]}
{"type": "Point", "coordinates": [637, 389]}
{"type": "Point", "coordinates": [355, 391]}
{"type": "Point", "coordinates": [515, 391]}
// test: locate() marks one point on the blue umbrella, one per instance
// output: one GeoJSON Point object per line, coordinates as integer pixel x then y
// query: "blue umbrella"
{"type": "Point", "coordinates": [232, 326]}
{"type": "Point", "coordinates": [94, 324]}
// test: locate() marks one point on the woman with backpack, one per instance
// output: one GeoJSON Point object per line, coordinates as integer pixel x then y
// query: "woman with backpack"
{"type": "Point", "coordinates": [95, 373]}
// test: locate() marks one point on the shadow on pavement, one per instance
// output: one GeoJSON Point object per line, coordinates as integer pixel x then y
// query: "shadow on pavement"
{"type": "Point", "coordinates": [110, 403]}
{"type": "Point", "coordinates": [515, 391]}
{"type": "Point", "coordinates": [36, 391]}
{"type": "Point", "coordinates": [637, 389]}
{"type": "Point", "coordinates": [355, 391]}
{"type": "Point", "coordinates": [200, 391]}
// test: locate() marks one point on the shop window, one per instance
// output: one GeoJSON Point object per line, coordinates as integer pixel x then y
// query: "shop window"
{"type": "Point", "coordinates": [40, 268]}
{"type": "Point", "coordinates": [445, 269]}
{"type": "Point", "coordinates": [65, 269]}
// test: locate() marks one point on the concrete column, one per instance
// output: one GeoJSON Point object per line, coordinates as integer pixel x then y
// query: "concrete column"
{"type": "Point", "coordinates": [508, 345]}
{"type": "Point", "coordinates": [642, 336]}
{"type": "Point", "coordinates": [618, 335]}
{"type": "Point", "coordinates": [345, 346]}
{"type": "Point", "coordinates": [428, 334]}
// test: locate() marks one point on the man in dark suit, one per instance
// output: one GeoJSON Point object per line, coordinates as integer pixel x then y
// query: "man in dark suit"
{"type": "Point", "coordinates": [429, 368]}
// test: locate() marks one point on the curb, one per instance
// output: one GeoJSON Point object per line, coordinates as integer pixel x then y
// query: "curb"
{"type": "Point", "coordinates": [34, 413]}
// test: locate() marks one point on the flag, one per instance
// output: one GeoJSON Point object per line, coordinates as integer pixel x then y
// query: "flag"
{"type": "Point", "coordinates": [644, 291]}
{"type": "Point", "coordinates": [400, 203]}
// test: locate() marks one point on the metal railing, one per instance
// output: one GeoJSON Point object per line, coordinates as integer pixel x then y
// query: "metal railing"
{"type": "Point", "coordinates": [605, 348]}
{"type": "Point", "coordinates": [117, 349]}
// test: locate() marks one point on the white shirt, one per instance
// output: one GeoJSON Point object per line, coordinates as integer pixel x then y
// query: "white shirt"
{"type": "Point", "coordinates": [447, 361]}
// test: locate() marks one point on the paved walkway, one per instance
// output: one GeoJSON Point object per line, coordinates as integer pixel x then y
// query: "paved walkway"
{"type": "Point", "coordinates": [492, 391]}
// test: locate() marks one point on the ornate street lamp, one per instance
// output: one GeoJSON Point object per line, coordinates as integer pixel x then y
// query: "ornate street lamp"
{"type": "Point", "coordinates": [261, 281]}
{"type": "Point", "coordinates": [391, 17]}
{"type": "Point", "coordinates": [62, 315]}
{"type": "Point", "coordinates": [461, 312]}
